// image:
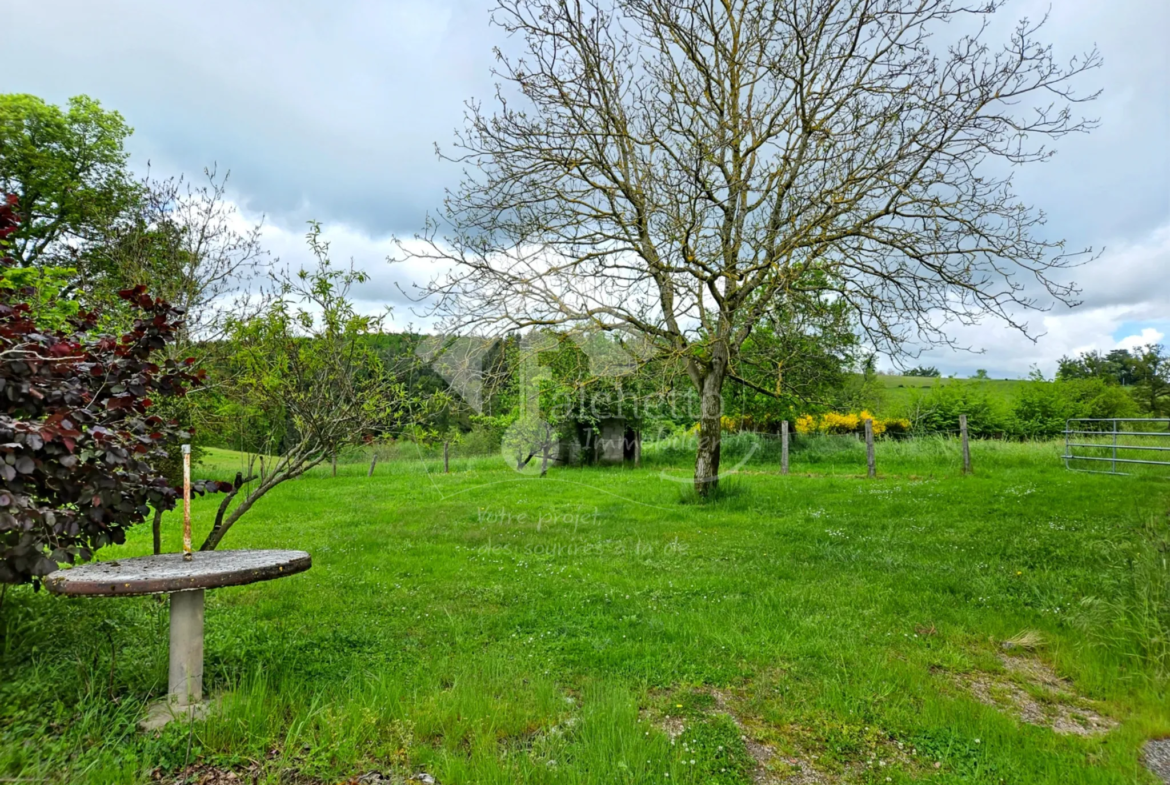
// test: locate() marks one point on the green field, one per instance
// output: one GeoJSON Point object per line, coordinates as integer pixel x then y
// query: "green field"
{"type": "Point", "coordinates": [897, 391]}
{"type": "Point", "coordinates": [601, 626]}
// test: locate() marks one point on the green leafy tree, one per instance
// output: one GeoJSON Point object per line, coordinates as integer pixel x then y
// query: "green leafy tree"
{"type": "Point", "coordinates": [1042, 409]}
{"type": "Point", "coordinates": [798, 359]}
{"type": "Point", "coordinates": [67, 166]}
{"type": "Point", "coordinates": [1116, 367]}
{"type": "Point", "coordinates": [1151, 371]}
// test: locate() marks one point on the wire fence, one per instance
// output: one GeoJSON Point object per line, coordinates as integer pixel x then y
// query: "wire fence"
{"type": "Point", "coordinates": [1106, 446]}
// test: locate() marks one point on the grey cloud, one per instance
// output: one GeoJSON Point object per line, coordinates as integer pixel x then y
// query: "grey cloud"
{"type": "Point", "coordinates": [330, 111]}
{"type": "Point", "coordinates": [322, 110]}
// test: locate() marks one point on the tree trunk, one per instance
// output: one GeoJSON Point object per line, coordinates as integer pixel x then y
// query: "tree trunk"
{"type": "Point", "coordinates": [710, 425]}
{"type": "Point", "coordinates": [544, 453]}
{"type": "Point", "coordinates": [156, 527]}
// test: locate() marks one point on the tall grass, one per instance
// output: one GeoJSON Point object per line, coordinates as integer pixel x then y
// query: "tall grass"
{"type": "Point", "coordinates": [1131, 616]}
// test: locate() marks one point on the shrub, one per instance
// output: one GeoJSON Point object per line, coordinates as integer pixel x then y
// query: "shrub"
{"type": "Point", "coordinates": [938, 410]}
{"type": "Point", "coordinates": [1041, 410]}
{"type": "Point", "coordinates": [836, 424]}
{"type": "Point", "coordinates": [77, 438]}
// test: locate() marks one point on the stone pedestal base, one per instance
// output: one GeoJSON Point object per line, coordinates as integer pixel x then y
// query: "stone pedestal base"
{"type": "Point", "coordinates": [162, 713]}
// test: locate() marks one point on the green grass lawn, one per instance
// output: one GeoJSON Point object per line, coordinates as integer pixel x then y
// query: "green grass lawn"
{"type": "Point", "coordinates": [601, 626]}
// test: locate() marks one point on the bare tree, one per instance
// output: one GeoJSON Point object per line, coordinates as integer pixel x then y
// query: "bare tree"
{"type": "Point", "coordinates": [189, 243]}
{"type": "Point", "coordinates": [676, 169]}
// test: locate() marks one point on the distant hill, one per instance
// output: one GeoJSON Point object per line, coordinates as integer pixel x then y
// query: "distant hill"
{"type": "Point", "coordinates": [897, 390]}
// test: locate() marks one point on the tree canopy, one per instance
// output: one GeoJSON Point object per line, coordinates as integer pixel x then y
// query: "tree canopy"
{"type": "Point", "coordinates": [67, 168]}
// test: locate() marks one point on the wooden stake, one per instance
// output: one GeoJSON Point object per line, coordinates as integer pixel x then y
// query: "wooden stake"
{"type": "Point", "coordinates": [966, 444]}
{"type": "Point", "coordinates": [870, 460]}
{"type": "Point", "coordinates": [784, 447]}
{"type": "Point", "coordinates": [373, 463]}
{"type": "Point", "coordinates": [187, 502]}
{"type": "Point", "coordinates": [446, 458]}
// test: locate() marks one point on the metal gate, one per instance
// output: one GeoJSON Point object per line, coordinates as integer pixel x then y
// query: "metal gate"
{"type": "Point", "coordinates": [1125, 441]}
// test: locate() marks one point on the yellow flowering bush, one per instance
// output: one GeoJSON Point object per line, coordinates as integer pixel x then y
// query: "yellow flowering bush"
{"type": "Point", "coordinates": [832, 423]}
{"type": "Point", "coordinates": [836, 423]}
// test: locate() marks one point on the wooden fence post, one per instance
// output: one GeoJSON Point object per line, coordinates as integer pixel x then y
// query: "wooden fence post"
{"type": "Point", "coordinates": [446, 459]}
{"type": "Point", "coordinates": [870, 461]}
{"type": "Point", "coordinates": [373, 463]}
{"type": "Point", "coordinates": [784, 447]}
{"type": "Point", "coordinates": [966, 444]}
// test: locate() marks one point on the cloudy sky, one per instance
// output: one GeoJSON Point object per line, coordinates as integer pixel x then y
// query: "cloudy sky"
{"type": "Point", "coordinates": [331, 111]}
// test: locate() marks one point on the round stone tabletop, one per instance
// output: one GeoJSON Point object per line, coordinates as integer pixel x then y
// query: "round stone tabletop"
{"type": "Point", "coordinates": [169, 572]}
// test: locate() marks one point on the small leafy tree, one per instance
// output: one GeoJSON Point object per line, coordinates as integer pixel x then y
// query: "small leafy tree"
{"type": "Point", "coordinates": [937, 409]}
{"type": "Point", "coordinates": [307, 368]}
{"type": "Point", "coordinates": [78, 438]}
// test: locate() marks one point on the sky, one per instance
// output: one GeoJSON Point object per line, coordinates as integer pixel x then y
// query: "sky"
{"type": "Point", "coordinates": [331, 111]}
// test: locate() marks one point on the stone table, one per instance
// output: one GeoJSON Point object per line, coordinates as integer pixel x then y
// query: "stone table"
{"type": "Point", "coordinates": [185, 581]}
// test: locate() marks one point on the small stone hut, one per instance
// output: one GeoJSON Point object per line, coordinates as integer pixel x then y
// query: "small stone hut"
{"type": "Point", "coordinates": [614, 441]}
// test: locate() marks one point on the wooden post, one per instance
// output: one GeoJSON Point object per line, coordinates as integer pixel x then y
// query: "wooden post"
{"type": "Point", "coordinates": [156, 528]}
{"type": "Point", "coordinates": [870, 461]}
{"type": "Point", "coordinates": [784, 447]}
{"type": "Point", "coordinates": [637, 449]}
{"type": "Point", "coordinates": [446, 458]}
{"type": "Point", "coordinates": [966, 444]}
{"type": "Point", "coordinates": [373, 463]}
{"type": "Point", "coordinates": [187, 502]}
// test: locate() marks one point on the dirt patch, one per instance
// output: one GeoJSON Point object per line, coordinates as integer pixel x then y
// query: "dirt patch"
{"type": "Point", "coordinates": [206, 774]}
{"type": "Point", "coordinates": [1035, 694]}
{"type": "Point", "coordinates": [1156, 756]}
{"type": "Point", "coordinates": [673, 727]}
{"type": "Point", "coordinates": [772, 767]}
{"type": "Point", "coordinates": [792, 771]}
{"type": "Point", "coordinates": [785, 755]}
